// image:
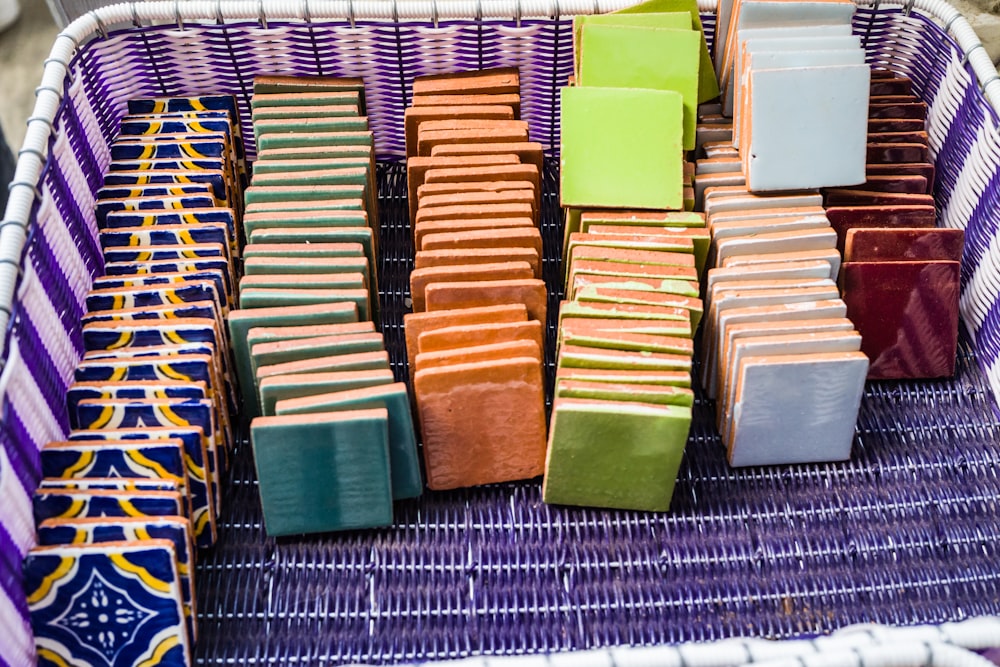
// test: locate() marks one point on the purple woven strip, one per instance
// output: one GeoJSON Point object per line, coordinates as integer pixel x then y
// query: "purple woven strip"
{"type": "Point", "coordinates": [42, 369]}
{"type": "Point", "coordinates": [21, 450]}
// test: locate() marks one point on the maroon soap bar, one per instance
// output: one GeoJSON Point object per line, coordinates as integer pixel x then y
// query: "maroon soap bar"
{"type": "Point", "coordinates": [897, 86]}
{"type": "Point", "coordinates": [907, 315]}
{"type": "Point", "coordinates": [925, 169]}
{"type": "Point", "coordinates": [874, 244]}
{"type": "Point", "coordinates": [898, 137]}
{"type": "Point", "coordinates": [911, 110]}
{"type": "Point", "coordinates": [913, 184]}
{"type": "Point", "coordinates": [843, 218]}
{"type": "Point", "coordinates": [897, 153]}
{"type": "Point", "coordinates": [876, 125]}
{"type": "Point", "coordinates": [858, 197]}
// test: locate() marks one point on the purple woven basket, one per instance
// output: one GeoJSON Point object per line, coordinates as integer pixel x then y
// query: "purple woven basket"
{"type": "Point", "coordinates": [906, 532]}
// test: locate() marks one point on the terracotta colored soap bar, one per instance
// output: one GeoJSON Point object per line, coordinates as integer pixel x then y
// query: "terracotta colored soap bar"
{"type": "Point", "coordinates": [479, 353]}
{"type": "Point", "coordinates": [530, 152]}
{"type": "Point", "coordinates": [614, 453]}
{"type": "Point", "coordinates": [450, 338]}
{"type": "Point", "coordinates": [429, 258]}
{"type": "Point", "coordinates": [515, 237]}
{"type": "Point", "coordinates": [421, 278]}
{"type": "Point", "coordinates": [417, 168]}
{"type": "Point", "coordinates": [295, 456]}
{"type": "Point", "coordinates": [474, 198]}
{"type": "Point", "coordinates": [512, 100]}
{"type": "Point", "coordinates": [414, 116]}
{"type": "Point", "coordinates": [502, 440]}
{"type": "Point", "coordinates": [456, 295]}
{"type": "Point", "coordinates": [428, 139]}
{"type": "Point", "coordinates": [479, 226]}
{"type": "Point", "coordinates": [476, 211]}
{"type": "Point", "coordinates": [497, 81]}
{"type": "Point", "coordinates": [907, 313]}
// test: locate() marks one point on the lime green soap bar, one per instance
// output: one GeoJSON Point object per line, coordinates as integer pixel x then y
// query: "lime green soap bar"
{"type": "Point", "coordinates": [616, 56]}
{"type": "Point", "coordinates": [708, 85]}
{"type": "Point", "coordinates": [673, 20]}
{"type": "Point", "coordinates": [640, 295]}
{"type": "Point", "coordinates": [625, 391]}
{"type": "Point", "coordinates": [283, 387]}
{"type": "Point", "coordinates": [242, 321]}
{"type": "Point", "coordinates": [403, 458]}
{"type": "Point", "coordinates": [621, 148]}
{"type": "Point", "coordinates": [319, 473]}
{"type": "Point", "coordinates": [577, 356]}
{"type": "Point", "coordinates": [265, 297]}
{"type": "Point", "coordinates": [615, 454]}
{"type": "Point", "coordinates": [661, 339]}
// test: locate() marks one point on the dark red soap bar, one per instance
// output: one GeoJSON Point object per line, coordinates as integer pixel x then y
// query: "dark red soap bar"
{"type": "Point", "coordinates": [843, 218]}
{"type": "Point", "coordinates": [896, 153]}
{"type": "Point", "coordinates": [873, 244]}
{"type": "Point", "coordinates": [858, 197]}
{"type": "Point", "coordinates": [924, 169]}
{"type": "Point", "coordinates": [876, 125]}
{"type": "Point", "coordinates": [907, 315]}
{"type": "Point", "coordinates": [900, 137]}
{"type": "Point", "coordinates": [902, 183]}
{"type": "Point", "coordinates": [896, 86]}
{"type": "Point", "coordinates": [911, 110]}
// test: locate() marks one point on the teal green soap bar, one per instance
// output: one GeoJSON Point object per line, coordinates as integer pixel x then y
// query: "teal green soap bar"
{"type": "Point", "coordinates": [281, 387]}
{"type": "Point", "coordinates": [615, 56]}
{"type": "Point", "coordinates": [263, 127]}
{"type": "Point", "coordinates": [614, 454]}
{"type": "Point", "coordinates": [318, 139]}
{"type": "Point", "coordinates": [318, 236]}
{"type": "Point", "coordinates": [275, 334]}
{"type": "Point", "coordinates": [360, 361]}
{"type": "Point", "coordinates": [275, 166]}
{"type": "Point", "coordinates": [318, 152]}
{"type": "Point", "coordinates": [299, 193]}
{"type": "Point", "coordinates": [621, 148]}
{"type": "Point", "coordinates": [307, 281]}
{"type": "Point", "coordinates": [253, 266]}
{"type": "Point", "coordinates": [406, 479]}
{"type": "Point", "coordinates": [271, 100]}
{"type": "Point", "coordinates": [278, 111]}
{"type": "Point", "coordinates": [299, 349]}
{"type": "Point", "coordinates": [323, 472]}
{"type": "Point", "coordinates": [305, 219]}
{"type": "Point", "coordinates": [303, 250]}
{"type": "Point", "coordinates": [241, 321]}
{"type": "Point", "coordinates": [340, 176]}
{"type": "Point", "coordinates": [265, 297]}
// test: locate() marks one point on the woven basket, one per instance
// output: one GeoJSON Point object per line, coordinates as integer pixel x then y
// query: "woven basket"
{"type": "Point", "coordinates": [906, 532]}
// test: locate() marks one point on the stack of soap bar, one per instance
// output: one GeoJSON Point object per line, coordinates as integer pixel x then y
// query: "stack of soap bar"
{"type": "Point", "coordinates": [476, 334]}
{"type": "Point", "coordinates": [900, 276]}
{"type": "Point", "coordinates": [778, 354]}
{"type": "Point", "coordinates": [135, 486]}
{"type": "Point", "coordinates": [797, 85]}
{"type": "Point", "coordinates": [622, 405]}
{"type": "Point", "coordinates": [332, 432]}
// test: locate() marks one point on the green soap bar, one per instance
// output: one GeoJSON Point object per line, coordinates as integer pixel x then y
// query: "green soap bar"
{"type": "Point", "coordinates": [310, 86]}
{"type": "Point", "coordinates": [624, 312]}
{"type": "Point", "coordinates": [304, 265]}
{"type": "Point", "coordinates": [278, 111]}
{"type": "Point", "coordinates": [406, 479]}
{"type": "Point", "coordinates": [281, 387]}
{"type": "Point", "coordinates": [663, 245]}
{"type": "Point", "coordinates": [275, 166]}
{"type": "Point", "coordinates": [299, 349]}
{"type": "Point", "coordinates": [319, 473]}
{"type": "Point", "coordinates": [241, 321]}
{"type": "Point", "coordinates": [614, 454]}
{"type": "Point", "coordinates": [303, 250]}
{"type": "Point", "coordinates": [651, 339]}
{"type": "Point", "coordinates": [616, 56]}
{"type": "Point", "coordinates": [663, 378]}
{"type": "Point", "coordinates": [622, 148]}
{"type": "Point", "coordinates": [310, 125]}
{"type": "Point", "coordinates": [317, 235]}
{"type": "Point", "coordinates": [322, 218]}
{"type": "Point", "coordinates": [327, 194]}
{"type": "Point", "coordinates": [305, 281]}
{"type": "Point", "coordinates": [679, 287]}
{"type": "Point", "coordinates": [682, 219]}
{"type": "Point", "coordinates": [341, 176]}
{"type": "Point", "coordinates": [275, 334]}
{"type": "Point", "coordinates": [305, 99]}
{"type": "Point", "coordinates": [674, 20]}
{"type": "Point", "coordinates": [269, 297]}
{"type": "Point", "coordinates": [571, 224]}
{"type": "Point", "coordinates": [708, 85]}
{"type": "Point", "coordinates": [625, 391]}
{"type": "Point", "coordinates": [576, 356]}
{"type": "Point", "coordinates": [314, 153]}
{"type": "Point", "coordinates": [592, 293]}
{"type": "Point", "coordinates": [316, 139]}
{"type": "Point", "coordinates": [360, 361]}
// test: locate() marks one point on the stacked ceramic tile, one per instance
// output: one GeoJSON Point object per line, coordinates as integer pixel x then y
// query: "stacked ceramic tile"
{"type": "Point", "coordinates": [900, 276]}
{"type": "Point", "coordinates": [632, 257]}
{"type": "Point", "coordinates": [475, 337]}
{"type": "Point", "coordinates": [313, 369]}
{"type": "Point", "coordinates": [135, 486]}
{"type": "Point", "coordinates": [779, 356]}
{"type": "Point", "coordinates": [796, 82]}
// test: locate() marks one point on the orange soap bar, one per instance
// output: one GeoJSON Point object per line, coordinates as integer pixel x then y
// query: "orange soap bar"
{"type": "Point", "coordinates": [501, 440]}
{"type": "Point", "coordinates": [421, 278]}
{"type": "Point", "coordinates": [454, 295]}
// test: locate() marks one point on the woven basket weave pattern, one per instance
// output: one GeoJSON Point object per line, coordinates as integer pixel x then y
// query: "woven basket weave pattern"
{"type": "Point", "coordinates": [906, 532]}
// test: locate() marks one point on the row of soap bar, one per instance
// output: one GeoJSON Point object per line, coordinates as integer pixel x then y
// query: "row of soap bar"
{"type": "Point", "coordinates": [476, 333]}
{"type": "Point", "coordinates": [332, 432]}
{"type": "Point", "coordinates": [632, 259]}
{"type": "Point", "coordinates": [125, 499]}
{"type": "Point", "coordinates": [622, 401]}
{"type": "Point", "coordinates": [797, 84]}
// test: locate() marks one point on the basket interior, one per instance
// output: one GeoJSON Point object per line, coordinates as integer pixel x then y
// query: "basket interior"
{"type": "Point", "coordinates": [905, 532]}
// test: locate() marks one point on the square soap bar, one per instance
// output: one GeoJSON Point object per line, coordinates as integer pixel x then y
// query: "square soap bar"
{"type": "Point", "coordinates": [615, 454]}
{"type": "Point", "coordinates": [618, 56]}
{"type": "Point", "coordinates": [622, 148]}
{"type": "Point", "coordinates": [116, 604]}
{"type": "Point", "coordinates": [323, 472]}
